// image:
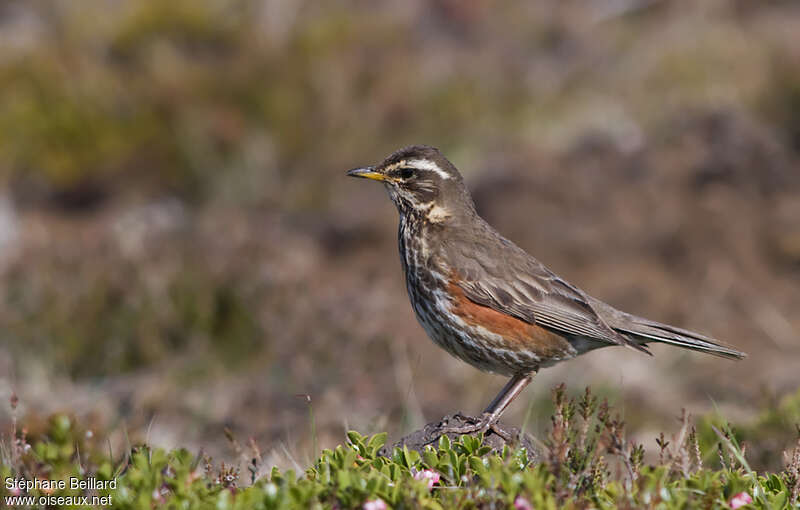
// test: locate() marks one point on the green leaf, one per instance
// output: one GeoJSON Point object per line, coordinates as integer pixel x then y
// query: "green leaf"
{"type": "Point", "coordinates": [478, 466]}
{"type": "Point", "coordinates": [375, 444]}
{"type": "Point", "coordinates": [430, 458]}
{"type": "Point", "coordinates": [356, 439]}
{"type": "Point", "coordinates": [411, 457]}
{"type": "Point", "coordinates": [778, 501]}
{"type": "Point", "coordinates": [444, 443]}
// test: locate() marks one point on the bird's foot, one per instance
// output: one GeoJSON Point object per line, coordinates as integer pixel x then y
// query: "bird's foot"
{"type": "Point", "coordinates": [487, 422]}
{"type": "Point", "coordinates": [481, 425]}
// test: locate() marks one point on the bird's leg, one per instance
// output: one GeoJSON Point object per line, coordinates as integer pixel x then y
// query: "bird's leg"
{"type": "Point", "coordinates": [509, 392]}
{"type": "Point", "coordinates": [492, 413]}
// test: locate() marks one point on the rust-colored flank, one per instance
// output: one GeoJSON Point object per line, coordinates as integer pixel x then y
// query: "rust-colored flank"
{"type": "Point", "coordinates": [518, 333]}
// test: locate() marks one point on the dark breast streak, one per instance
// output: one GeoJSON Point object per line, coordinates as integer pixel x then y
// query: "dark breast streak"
{"type": "Point", "coordinates": [483, 337]}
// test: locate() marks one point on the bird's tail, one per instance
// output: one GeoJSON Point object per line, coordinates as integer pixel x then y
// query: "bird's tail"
{"type": "Point", "coordinates": [645, 331]}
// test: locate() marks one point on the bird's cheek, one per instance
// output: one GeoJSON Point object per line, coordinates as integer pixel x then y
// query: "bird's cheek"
{"type": "Point", "coordinates": [391, 190]}
{"type": "Point", "coordinates": [426, 196]}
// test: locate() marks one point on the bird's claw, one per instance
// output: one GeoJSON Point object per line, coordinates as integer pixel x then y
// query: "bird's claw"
{"type": "Point", "coordinates": [487, 422]}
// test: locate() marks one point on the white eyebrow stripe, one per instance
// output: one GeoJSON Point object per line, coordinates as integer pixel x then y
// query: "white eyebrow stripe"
{"type": "Point", "coordinates": [426, 164]}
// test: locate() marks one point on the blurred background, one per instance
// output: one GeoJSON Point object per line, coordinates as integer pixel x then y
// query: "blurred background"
{"type": "Point", "coordinates": [181, 252]}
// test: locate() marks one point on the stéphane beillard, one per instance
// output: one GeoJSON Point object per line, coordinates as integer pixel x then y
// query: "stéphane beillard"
{"type": "Point", "coordinates": [44, 484]}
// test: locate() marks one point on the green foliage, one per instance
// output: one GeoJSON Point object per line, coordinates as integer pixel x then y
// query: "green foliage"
{"type": "Point", "coordinates": [777, 423]}
{"type": "Point", "coordinates": [584, 442]}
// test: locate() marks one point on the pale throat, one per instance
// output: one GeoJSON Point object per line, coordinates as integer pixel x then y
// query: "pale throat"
{"type": "Point", "coordinates": [437, 214]}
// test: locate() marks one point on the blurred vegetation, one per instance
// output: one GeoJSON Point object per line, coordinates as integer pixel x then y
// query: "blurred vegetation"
{"type": "Point", "coordinates": [176, 96]}
{"type": "Point", "coordinates": [782, 99]}
{"type": "Point", "coordinates": [112, 323]}
{"type": "Point", "coordinates": [776, 424]}
{"type": "Point", "coordinates": [193, 97]}
{"type": "Point", "coordinates": [138, 100]}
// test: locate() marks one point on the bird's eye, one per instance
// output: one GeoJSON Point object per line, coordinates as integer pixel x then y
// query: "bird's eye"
{"type": "Point", "coordinates": [406, 173]}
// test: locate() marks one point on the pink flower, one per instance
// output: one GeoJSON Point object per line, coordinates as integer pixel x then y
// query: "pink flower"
{"type": "Point", "coordinates": [522, 504]}
{"type": "Point", "coordinates": [158, 496]}
{"type": "Point", "coordinates": [375, 504]}
{"type": "Point", "coordinates": [740, 500]}
{"type": "Point", "coordinates": [430, 475]}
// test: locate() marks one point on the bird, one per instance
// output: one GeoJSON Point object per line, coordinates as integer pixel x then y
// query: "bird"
{"type": "Point", "coordinates": [486, 301]}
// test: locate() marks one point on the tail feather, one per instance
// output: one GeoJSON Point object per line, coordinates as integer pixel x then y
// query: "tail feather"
{"type": "Point", "coordinates": [651, 331]}
{"type": "Point", "coordinates": [645, 330]}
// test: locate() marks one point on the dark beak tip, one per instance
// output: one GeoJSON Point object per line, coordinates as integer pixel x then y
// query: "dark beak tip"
{"type": "Point", "coordinates": [359, 172]}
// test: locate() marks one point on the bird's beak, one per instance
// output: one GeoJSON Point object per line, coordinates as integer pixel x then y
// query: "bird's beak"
{"type": "Point", "coordinates": [367, 173]}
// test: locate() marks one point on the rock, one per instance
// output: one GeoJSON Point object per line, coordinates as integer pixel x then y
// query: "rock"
{"type": "Point", "coordinates": [430, 433]}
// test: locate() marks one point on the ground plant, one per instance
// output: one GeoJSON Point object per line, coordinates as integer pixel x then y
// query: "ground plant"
{"type": "Point", "coordinates": [585, 461]}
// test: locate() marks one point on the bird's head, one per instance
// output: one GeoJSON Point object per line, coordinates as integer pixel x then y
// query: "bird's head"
{"type": "Point", "coordinates": [422, 182]}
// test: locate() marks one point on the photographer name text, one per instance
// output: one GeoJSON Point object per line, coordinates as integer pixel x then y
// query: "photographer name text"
{"type": "Point", "coordinates": [44, 484]}
{"type": "Point", "coordinates": [19, 489]}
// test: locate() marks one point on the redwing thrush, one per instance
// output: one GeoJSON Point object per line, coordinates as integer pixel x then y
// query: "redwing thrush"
{"type": "Point", "coordinates": [485, 300]}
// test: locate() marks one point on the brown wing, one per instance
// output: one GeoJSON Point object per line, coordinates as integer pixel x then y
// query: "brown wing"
{"type": "Point", "coordinates": [510, 281]}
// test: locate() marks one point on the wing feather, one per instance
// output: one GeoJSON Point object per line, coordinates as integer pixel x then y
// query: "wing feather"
{"type": "Point", "coordinates": [521, 286]}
